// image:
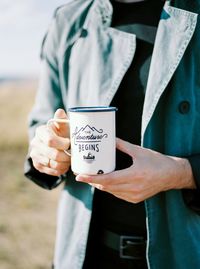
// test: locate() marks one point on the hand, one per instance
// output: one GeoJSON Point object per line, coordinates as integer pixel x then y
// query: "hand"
{"type": "Point", "coordinates": [47, 147]}
{"type": "Point", "coordinates": [150, 173]}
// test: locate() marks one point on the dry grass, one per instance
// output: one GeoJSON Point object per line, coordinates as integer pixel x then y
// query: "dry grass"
{"type": "Point", "coordinates": [27, 212]}
{"type": "Point", "coordinates": [16, 100]}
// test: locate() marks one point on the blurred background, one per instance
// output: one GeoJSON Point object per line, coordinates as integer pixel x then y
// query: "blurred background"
{"type": "Point", "coordinates": [27, 213]}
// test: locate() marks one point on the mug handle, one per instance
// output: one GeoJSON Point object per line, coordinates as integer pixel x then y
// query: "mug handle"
{"type": "Point", "coordinates": [67, 151]}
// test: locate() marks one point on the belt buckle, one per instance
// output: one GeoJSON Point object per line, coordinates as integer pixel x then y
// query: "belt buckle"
{"type": "Point", "coordinates": [130, 241]}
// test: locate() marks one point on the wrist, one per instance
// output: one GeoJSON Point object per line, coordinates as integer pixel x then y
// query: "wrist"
{"type": "Point", "coordinates": [183, 174]}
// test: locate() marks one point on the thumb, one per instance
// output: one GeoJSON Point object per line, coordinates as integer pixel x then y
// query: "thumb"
{"type": "Point", "coordinates": [126, 147]}
{"type": "Point", "coordinates": [61, 128]}
{"type": "Point", "coordinates": [60, 114]}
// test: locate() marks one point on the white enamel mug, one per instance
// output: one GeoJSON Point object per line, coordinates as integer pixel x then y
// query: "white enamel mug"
{"type": "Point", "coordinates": [93, 139]}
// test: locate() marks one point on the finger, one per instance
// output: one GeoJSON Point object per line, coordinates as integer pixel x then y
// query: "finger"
{"type": "Point", "coordinates": [45, 162]}
{"type": "Point", "coordinates": [57, 155]}
{"type": "Point", "coordinates": [127, 147]}
{"type": "Point", "coordinates": [97, 186]}
{"type": "Point", "coordinates": [51, 139]}
{"type": "Point", "coordinates": [117, 177]}
{"type": "Point", "coordinates": [39, 158]}
{"type": "Point", "coordinates": [106, 188]}
{"type": "Point", "coordinates": [50, 153]}
{"type": "Point", "coordinates": [61, 166]}
{"type": "Point", "coordinates": [47, 170]}
{"type": "Point", "coordinates": [118, 188]}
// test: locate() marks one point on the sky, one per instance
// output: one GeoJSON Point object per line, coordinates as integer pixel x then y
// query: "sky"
{"type": "Point", "coordinates": [23, 24]}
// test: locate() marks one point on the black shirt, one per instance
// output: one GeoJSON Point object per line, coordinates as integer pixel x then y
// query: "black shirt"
{"type": "Point", "coordinates": [141, 19]}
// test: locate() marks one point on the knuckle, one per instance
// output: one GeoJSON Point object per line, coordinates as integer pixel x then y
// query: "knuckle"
{"type": "Point", "coordinates": [50, 141]}
{"type": "Point", "coordinates": [56, 155]}
{"type": "Point", "coordinates": [60, 167]}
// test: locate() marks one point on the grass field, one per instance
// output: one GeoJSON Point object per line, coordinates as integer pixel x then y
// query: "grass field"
{"type": "Point", "coordinates": [27, 212]}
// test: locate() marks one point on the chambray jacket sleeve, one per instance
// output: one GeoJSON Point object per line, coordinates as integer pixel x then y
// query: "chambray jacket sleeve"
{"type": "Point", "coordinates": [192, 197]}
{"type": "Point", "coordinates": [48, 99]}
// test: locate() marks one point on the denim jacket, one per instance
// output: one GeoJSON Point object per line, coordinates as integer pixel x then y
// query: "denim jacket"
{"type": "Point", "coordinates": [84, 61]}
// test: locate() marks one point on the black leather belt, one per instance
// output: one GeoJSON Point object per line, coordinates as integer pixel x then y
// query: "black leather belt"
{"type": "Point", "coordinates": [129, 247]}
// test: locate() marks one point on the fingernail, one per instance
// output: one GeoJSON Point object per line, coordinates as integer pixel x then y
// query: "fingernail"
{"type": "Point", "coordinates": [81, 178]}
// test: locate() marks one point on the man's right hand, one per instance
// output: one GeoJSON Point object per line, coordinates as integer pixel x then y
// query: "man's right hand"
{"type": "Point", "coordinates": [48, 145]}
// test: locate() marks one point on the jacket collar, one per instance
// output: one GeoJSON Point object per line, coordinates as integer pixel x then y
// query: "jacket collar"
{"type": "Point", "coordinates": [102, 10]}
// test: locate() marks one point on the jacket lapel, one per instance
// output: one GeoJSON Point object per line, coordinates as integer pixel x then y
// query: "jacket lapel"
{"type": "Point", "coordinates": [174, 33]}
{"type": "Point", "coordinates": [107, 60]}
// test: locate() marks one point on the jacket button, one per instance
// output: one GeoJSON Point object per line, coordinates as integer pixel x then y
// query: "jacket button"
{"type": "Point", "coordinates": [184, 107]}
{"type": "Point", "coordinates": [84, 33]}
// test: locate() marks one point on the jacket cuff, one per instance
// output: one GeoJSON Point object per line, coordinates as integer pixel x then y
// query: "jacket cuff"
{"type": "Point", "coordinates": [43, 180]}
{"type": "Point", "coordinates": [192, 197]}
